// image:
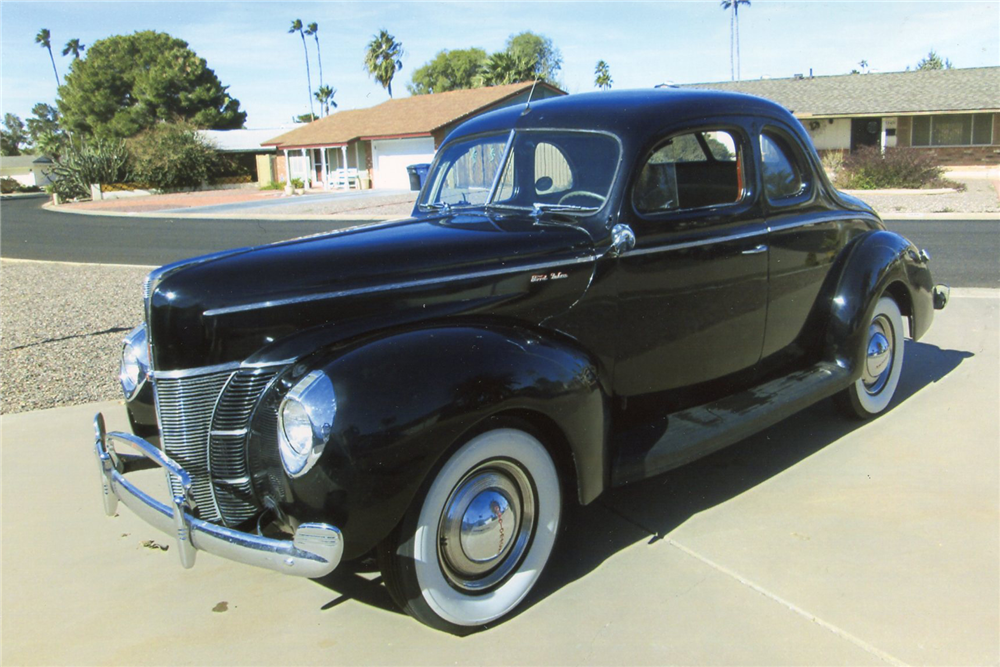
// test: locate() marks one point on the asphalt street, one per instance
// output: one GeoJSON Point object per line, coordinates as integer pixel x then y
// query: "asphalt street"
{"type": "Point", "coordinates": [965, 253]}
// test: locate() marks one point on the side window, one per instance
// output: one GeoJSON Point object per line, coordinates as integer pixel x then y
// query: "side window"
{"type": "Point", "coordinates": [783, 175]}
{"type": "Point", "coordinates": [552, 171]}
{"type": "Point", "coordinates": [690, 170]}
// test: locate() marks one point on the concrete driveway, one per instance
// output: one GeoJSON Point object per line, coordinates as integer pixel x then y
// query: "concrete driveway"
{"type": "Point", "coordinates": [818, 541]}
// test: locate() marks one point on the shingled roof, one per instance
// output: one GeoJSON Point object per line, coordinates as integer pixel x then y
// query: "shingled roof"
{"type": "Point", "coordinates": [923, 91]}
{"type": "Point", "coordinates": [415, 116]}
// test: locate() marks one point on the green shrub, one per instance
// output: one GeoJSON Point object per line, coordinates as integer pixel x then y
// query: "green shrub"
{"type": "Point", "coordinates": [273, 185]}
{"type": "Point", "coordinates": [297, 183]}
{"type": "Point", "coordinates": [8, 185]}
{"type": "Point", "coordinates": [173, 156]}
{"type": "Point", "coordinates": [84, 162]}
{"type": "Point", "coordinates": [871, 169]}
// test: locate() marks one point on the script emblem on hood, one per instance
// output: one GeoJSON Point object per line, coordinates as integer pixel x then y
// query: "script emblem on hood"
{"type": "Point", "coordinates": [543, 277]}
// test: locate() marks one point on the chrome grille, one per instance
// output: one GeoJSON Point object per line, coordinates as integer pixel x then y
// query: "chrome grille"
{"type": "Point", "coordinates": [185, 406]}
{"type": "Point", "coordinates": [227, 447]}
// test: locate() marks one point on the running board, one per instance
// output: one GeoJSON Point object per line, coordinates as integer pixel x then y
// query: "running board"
{"type": "Point", "coordinates": [690, 434]}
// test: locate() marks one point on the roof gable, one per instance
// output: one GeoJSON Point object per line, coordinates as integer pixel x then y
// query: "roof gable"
{"type": "Point", "coordinates": [922, 91]}
{"type": "Point", "coordinates": [418, 115]}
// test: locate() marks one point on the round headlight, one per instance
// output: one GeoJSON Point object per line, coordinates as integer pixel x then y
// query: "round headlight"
{"type": "Point", "coordinates": [135, 361]}
{"type": "Point", "coordinates": [305, 420]}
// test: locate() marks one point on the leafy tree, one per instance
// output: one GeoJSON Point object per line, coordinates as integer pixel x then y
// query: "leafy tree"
{"type": "Point", "coordinates": [12, 138]}
{"type": "Point", "coordinates": [128, 83]}
{"type": "Point", "coordinates": [383, 58]}
{"type": "Point", "coordinates": [450, 70]}
{"type": "Point", "coordinates": [734, 35]}
{"type": "Point", "coordinates": [503, 67]}
{"type": "Point", "coordinates": [537, 49]}
{"type": "Point", "coordinates": [297, 27]}
{"type": "Point", "coordinates": [44, 129]}
{"type": "Point", "coordinates": [313, 29]}
{"type": "Point", "coordinates": [75, 47]}
{"type": "Point", "coordinates": [304, 118]}
{"type": "Point", "coordinates": [602, 76]}
{"type": "Point", "coordinates": [934, 61]}
{"type": "Point", "coordinates": [44, 38]}
{"type": "Point", "coordinates": [172, 156]}
{"type": "Point", "coordinates": [324, 95]}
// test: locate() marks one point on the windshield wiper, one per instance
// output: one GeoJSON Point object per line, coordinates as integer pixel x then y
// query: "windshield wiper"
{"type": "Point", "coordinates": [538, 210]}
{"type": "Point", "coordinates": [436, 206]}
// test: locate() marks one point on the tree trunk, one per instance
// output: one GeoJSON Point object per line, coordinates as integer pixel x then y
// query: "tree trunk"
{"type": "Point", "coordinates": [53, 66]}
{"type": "Point", "coordinates": [312, 110]}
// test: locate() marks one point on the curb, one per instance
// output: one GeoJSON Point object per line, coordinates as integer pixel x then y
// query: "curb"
{"type": "Point", "coordinates": [164, 215]}
{"type": "Point", "coordinates": [902, 215]}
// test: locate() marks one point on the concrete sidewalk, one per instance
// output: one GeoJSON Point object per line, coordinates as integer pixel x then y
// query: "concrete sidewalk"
{"type": "Point", "coordinates": [818, 541]}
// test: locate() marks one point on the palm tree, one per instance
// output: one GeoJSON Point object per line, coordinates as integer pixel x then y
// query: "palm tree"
{"type": "Point", "coordinates": [734, 35]}
{"type": "Point", "coordinates": [503, 67]}
{"type": "Point", "coordinates": [602, 76]}
{"type": "Point", "coordinates": [44, 38]}
{"type": "Point", "coordinates": [324, 94]}
{"type": "Point", "coordinates": [75, 47]}
{"type": "Point", "coordinates": [383, 58]}
{"type": "Point", "coordinates": [297, 27]}
{"type": "Point", "coordinates": [313, 29]}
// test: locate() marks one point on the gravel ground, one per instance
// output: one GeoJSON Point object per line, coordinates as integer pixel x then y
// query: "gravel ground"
{"type": "Point", "coordinates": [980, 196]}
{"type": "Point", "coordinates": [61, 331]}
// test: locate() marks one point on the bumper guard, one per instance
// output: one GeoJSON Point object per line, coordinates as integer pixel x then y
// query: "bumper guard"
{"type": "Point", "coordinates": [314, 551]}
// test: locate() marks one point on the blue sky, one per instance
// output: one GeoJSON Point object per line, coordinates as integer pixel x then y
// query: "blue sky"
{"type": "Point", "coordinates": [645, 43]}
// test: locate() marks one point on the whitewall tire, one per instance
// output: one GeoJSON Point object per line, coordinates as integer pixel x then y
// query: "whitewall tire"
{"type": "Point", "coordinates": [882, 365]}
{"type": "Point", "coordinates": [474, 546]}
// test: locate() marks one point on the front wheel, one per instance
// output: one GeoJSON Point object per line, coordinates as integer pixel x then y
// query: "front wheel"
{"type": "Point", "coordinates": [470, 551]}
{"type": "Point", "coordinates": [883, 364]}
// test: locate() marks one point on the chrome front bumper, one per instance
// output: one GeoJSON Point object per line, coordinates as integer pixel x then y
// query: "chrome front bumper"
{"type": "Point", "coordinates": [315, 550]}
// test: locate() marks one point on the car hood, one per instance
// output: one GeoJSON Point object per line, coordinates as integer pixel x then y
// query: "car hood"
{"type": "Point", "coordinates": [231, 306]}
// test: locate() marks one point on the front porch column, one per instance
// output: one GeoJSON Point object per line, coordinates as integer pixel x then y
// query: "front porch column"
{"type": "Point", "coordinates": [343, 154]}
{"type": "Point", "coordinates": [308, 174]}
{"type": "Point", "coordinates": [326, 174]}
{"type": "Point", "coordinates": [288, 169]}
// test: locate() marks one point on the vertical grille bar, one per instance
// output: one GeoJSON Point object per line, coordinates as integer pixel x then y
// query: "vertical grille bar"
{"type": "Point", "coordinates": [227, 450]}
{"type": "Point", "coordinates": [185, 407]}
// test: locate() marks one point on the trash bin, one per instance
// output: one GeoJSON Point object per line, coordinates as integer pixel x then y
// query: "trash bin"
{"type": "Point", "coordinates": [414, 177]}
{"type": "Point", "coordinates": [417, 174]}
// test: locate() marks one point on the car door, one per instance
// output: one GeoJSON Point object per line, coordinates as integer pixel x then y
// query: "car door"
{"type": "Point", "coordinates": [693, 289]}
{"type": "Point", "coordinates": [804, 236]}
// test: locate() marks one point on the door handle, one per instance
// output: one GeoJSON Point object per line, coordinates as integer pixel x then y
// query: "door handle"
{"type": "Point", "coordinates": [622, 240]}
{"type": "Point", "coordinates": [756, 250]}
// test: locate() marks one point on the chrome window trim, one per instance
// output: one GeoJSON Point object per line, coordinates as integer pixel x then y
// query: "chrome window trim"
{"type": "Point", "coordinates": [393, 286]}
{"type": "Point", "coordinates": [696, 244]}
{"type": "Point", "coordinates": [502, 168]}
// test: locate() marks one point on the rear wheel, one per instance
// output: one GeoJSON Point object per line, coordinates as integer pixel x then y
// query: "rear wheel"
{"type": "Point", "coordinates": [473, 547]}
{"type": "Point", "coordinates": [872, 393]}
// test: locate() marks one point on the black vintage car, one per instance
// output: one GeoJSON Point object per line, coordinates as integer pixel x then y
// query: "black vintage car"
{"type": "Point", "coordinates": [592, 290]}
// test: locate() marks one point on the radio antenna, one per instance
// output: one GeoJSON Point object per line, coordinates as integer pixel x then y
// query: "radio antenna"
{"type": "Point", "coordinates": [527, 105]}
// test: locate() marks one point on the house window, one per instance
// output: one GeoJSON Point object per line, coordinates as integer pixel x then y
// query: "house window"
{"type": "Point", "coordinates": [964, 129]}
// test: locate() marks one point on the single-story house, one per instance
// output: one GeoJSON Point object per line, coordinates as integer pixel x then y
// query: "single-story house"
{"type": "Point", "coordinates": [244, 147]}
{"type": "Point", "coordinates": [27, 170]}
{"type": "Point", "coordinates": [382, 141]}
{"type": "Point", "coordinates": [952, 114]}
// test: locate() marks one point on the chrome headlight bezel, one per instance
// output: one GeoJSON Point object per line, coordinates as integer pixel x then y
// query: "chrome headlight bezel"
{"type": "Point", "coordinates": [134, 369]}
{"type": "Point", "coordinates": [305, 421]}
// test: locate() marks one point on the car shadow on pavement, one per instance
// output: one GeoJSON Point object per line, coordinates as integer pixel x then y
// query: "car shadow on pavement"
{"type": "Point", "coordinates": [651, 509]}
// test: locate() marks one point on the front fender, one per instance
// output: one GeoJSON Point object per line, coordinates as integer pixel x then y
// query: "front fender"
{"type": "Point", "coordinates": [878, 262]}
{"type": "Point", "coordinates": [406, 398]}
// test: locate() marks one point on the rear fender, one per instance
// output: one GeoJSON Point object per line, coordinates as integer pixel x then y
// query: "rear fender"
{"type": "Point", "coordinates": [878, 262]}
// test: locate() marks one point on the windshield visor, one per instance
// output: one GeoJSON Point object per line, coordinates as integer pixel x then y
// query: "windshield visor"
{"type": "Point", "coordinates": [565, 170]}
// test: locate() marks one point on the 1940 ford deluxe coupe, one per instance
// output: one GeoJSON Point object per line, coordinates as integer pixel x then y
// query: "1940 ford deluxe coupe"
{"type": "Point", "coordinates": [591, 290]}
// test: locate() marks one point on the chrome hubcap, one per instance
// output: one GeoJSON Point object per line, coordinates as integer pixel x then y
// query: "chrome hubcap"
{"type": "Point", "coordinates": [878, 361]}
{"type": "Point", "coordinates": [486, 526]}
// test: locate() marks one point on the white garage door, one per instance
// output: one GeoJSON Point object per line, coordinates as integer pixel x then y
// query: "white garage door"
{"type": "Point", "coordinates": [391, 157]}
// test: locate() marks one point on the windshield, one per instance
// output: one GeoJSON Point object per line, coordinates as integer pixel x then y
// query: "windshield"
{"type": "Point", "coordinates": [568, 171]}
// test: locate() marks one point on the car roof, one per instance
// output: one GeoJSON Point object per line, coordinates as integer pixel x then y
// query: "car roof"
{"type": "Point", "coordinates": [624, 113]}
